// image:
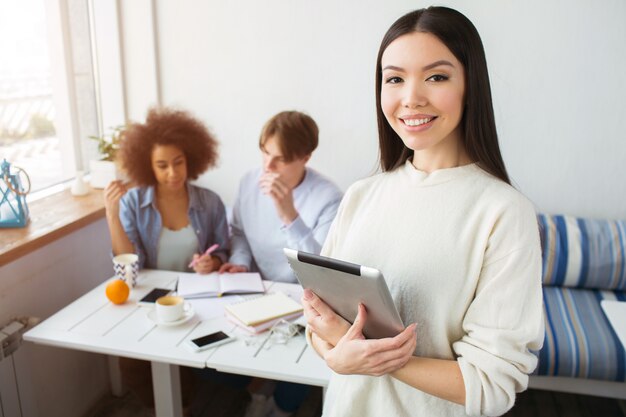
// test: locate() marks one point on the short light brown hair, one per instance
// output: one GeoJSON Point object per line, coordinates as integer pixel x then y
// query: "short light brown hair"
{"type": "Point", "coordinates": [296, 133]}
{"type": "Point", "coordinates": [166, 127]}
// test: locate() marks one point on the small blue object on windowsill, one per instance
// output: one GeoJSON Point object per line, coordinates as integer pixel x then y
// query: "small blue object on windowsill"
{"type": "Point", "coordinates": [13, 208]}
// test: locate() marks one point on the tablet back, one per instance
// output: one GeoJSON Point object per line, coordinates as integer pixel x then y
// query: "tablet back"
{"type": "Point", "coordinates": [343, 285]}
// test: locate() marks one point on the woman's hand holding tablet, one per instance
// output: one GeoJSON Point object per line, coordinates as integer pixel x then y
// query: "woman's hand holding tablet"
{"type": "Point", "coordinates": [353, 354]}
{"type": "Point", "coordinates": [322, 319]}
{"type": "Point", "coordinates": [342, 286]}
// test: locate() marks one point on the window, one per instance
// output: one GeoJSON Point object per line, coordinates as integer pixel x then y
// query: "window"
{"type": "Point", "coordinates": [27, 133]}
{"type": "Point", "coordinates": [42, 126]}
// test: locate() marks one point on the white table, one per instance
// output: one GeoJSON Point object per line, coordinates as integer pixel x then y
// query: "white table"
{"type": "Point", "coordinates": [616, 313]}
{"type": "Point", "coordinates": [93, 324]}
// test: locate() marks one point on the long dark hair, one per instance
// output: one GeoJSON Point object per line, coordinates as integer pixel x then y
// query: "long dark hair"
{"type": "Point", "coordinates": [480, 138]}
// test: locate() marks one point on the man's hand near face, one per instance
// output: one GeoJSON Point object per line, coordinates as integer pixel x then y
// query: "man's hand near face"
{"type": "Point", "coordinates": [272, 185]}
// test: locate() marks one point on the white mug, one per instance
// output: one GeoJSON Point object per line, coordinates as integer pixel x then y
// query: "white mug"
{"type": "Point", "coordinates": [126, 267]}
{"type": "Point", "coordinates": [170, 308]}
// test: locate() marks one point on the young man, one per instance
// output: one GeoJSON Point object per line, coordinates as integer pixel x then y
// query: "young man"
{"type": "Point", "coordinates": [284, 204]}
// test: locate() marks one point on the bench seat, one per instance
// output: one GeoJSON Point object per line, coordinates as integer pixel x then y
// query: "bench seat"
{"type": "Point", "coordinates": [580, 342]}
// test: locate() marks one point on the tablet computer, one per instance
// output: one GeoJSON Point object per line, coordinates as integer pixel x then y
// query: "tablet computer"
{"type": "Point", "coordinates": [343, 285]}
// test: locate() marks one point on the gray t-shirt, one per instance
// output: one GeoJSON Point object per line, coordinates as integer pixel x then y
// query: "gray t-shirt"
{"type": "Point", "coordinates": [176, 248]}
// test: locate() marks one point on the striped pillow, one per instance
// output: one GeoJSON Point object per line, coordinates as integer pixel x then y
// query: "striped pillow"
{"type": "Point", "coordinates": [583, 253]}
{"type": "Point", "coordinates": [580, 342]}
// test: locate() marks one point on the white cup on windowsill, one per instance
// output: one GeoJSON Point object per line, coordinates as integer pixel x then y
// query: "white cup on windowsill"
{"type": "Point", "coordinates": [79, 186]}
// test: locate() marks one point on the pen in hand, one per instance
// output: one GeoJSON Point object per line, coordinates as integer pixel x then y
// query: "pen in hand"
{"type": "Point", "coordinates": [208, 252]}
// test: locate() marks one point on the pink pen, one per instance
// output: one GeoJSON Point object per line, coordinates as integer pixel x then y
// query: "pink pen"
{"type": "Point", "coordinates": [208, 252]}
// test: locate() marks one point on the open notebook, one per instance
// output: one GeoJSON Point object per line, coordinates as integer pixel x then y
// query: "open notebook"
{"type": "Point", "coordinates": [191, 285]}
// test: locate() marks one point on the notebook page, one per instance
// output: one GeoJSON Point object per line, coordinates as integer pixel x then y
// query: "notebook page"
{"type": "Point", "coordinates": [191, 284]}
{"type": "Point", "coordinates": [243, 282]}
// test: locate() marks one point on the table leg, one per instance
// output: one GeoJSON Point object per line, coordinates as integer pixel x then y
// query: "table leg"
{"type": "Point", "coordinates": [167, 395]}
{"type": "Point", "coordinates": [115, 376]}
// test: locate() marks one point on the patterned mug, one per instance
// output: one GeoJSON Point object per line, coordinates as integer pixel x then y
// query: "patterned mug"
{"type": "Point", "coordinates": [126, 267]}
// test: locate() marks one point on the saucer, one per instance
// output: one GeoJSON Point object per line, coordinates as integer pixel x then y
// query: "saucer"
{"type": "Point", "coordinates": [185, 318]}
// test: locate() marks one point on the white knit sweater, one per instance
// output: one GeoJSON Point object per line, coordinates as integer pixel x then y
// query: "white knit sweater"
{"type": "Point", "coordinates": [460, 253]}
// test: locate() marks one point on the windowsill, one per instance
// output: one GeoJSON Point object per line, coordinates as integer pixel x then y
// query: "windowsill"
{"type": "Point", "coordinates": [51, 218]}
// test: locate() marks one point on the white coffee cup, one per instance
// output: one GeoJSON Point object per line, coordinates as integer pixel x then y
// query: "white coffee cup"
{"type": "Point", "coordinates": [170, 308]}
{"type": "Point", "coordinates": [126, 267]}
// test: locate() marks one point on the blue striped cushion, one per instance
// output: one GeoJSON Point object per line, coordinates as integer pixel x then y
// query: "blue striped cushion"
{"type": "Point", "coordinates": [580, 341]}
{"type": "Point", "coordinates": [583, 253]}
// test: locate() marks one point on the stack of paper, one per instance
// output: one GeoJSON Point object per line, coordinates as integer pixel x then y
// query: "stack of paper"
{"type": "Point", "coordinates": [191, 285]}
{"type": "Point", "coordinates": [263, 312]}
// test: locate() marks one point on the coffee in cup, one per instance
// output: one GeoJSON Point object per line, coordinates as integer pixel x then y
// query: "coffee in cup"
{"type": "Point", "coordinates": [170, 308]}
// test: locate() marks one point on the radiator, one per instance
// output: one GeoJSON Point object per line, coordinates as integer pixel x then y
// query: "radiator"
{"type": "Point", "coordinates": [16, 395]}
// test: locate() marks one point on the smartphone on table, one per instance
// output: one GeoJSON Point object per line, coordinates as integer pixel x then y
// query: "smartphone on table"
{"type": "Point", "coordinates": [209, 341]}
{"type": "Point", "coordinates": [150, 298]}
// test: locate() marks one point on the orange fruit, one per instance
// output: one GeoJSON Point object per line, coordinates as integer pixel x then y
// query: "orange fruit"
{"type": "Point", "coordinates": [117, 291]}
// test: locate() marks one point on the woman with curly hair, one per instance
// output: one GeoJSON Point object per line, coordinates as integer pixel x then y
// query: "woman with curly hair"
{"type": "Point", "coordinates": [166, 220]}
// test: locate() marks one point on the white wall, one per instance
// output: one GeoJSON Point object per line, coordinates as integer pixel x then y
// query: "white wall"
{"type": "Point", "coordinates": [556, 69]}
{"type": "Point", "coordinates": [65, 382]}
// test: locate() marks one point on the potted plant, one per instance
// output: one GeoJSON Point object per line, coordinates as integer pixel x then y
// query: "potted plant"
{"type": "Point", "coordinates": [104, 170]}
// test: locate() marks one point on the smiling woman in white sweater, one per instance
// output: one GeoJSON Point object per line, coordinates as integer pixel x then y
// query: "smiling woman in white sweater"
{"type": "Point", "coordinates": [458, 245]}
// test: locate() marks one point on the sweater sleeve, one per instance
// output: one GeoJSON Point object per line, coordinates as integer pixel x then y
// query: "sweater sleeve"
{"type": "Point", "coordinates": [504, 322]}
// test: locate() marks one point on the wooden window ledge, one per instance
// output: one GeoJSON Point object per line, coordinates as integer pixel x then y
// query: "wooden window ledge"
{"type": "Point", "coordinates": [51, 218]}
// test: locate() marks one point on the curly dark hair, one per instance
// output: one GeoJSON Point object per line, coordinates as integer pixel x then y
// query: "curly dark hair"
{"type": "Point", "coordinates": [166, 127]}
